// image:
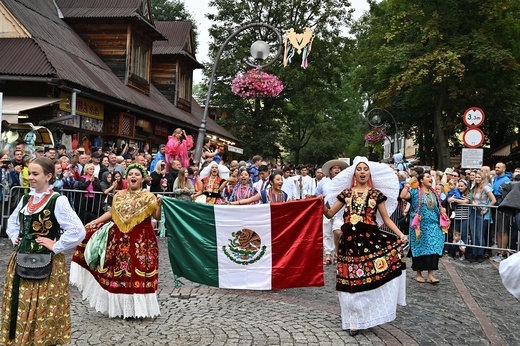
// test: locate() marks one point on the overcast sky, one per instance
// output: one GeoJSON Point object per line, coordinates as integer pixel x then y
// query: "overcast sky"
{"type": "Point", "coordinates": [199, 8]}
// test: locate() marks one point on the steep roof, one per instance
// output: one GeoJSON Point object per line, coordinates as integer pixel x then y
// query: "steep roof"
{"type": "Point", "coordinates": [102, 8]}
{"type": "Point", "coordinates": [179, 40]}
{"type": "Point", "coordinates": [55, 50]}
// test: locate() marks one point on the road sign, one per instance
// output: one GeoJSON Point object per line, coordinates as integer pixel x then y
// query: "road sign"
{"type": "Point", "coordinates": [472, 158]}
{"type": "Point", "coordinates": [473, 117]}
{"type": "Point", "coordinates": [473, 137]}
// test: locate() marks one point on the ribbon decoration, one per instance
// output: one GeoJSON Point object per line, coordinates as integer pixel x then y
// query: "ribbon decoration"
{"type": "Point", "coordinates": [300, 43]}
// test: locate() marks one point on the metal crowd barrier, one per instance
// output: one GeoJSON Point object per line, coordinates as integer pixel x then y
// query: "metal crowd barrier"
{"type": "Point", "coordinates": [88, 205]}
{"type": "Point", "coordinates": [501, 233]}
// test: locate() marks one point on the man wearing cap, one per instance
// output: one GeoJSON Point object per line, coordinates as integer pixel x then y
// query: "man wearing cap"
{"type": "Point", "coordinates": [332, 226]}
{"type": "Point", "coordinates": [95, 158]}
{"type": "Point", "coordinates": [39, 152]}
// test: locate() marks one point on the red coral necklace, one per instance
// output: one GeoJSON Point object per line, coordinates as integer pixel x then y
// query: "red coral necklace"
{"type": "Point", "coordinates": [32, 207]}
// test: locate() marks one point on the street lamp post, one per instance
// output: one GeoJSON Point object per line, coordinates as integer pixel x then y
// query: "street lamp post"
{"type": "Point", "coordinates": [377, 120]}
{"type": "Point", "coordinates": [259, 51]}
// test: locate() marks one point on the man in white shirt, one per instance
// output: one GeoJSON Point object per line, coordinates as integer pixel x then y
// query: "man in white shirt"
{"type": "Point", "coordinates": [263, 179]}
{"type": "Point", "coordinates": [95, 158]}
{"type": "Point", "coordinates": [288, 183]}
{"type": "Point", "coordinates": [332, 226]}
{"type": "Point", "coordinates": [315, 181]}
{"type": "Point", "coordinates": [302, 184]}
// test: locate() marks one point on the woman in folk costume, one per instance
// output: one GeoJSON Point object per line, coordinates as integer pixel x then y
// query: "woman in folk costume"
{"type": "Point", "coordinates": [37, 311]}
{"type": "Point", "coordinates": [213, 178]}
{"type": "Point", "coordinates": [371, 277]}
{"type": "Point", "coordinates": [125, 284]}
{"type": "Point", "coordinates": [177, 148]}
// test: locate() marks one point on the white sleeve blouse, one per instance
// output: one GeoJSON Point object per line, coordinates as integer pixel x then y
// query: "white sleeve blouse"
{"type": "Point", "coordinates": [73, 230]}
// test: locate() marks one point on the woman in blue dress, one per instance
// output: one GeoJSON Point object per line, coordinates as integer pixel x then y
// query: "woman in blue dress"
{"type": "Point", "coordinates": [426, 240]}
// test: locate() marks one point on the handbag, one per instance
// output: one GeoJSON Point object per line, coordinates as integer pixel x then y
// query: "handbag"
{"type": "Point", "coordinates": [34, 266]}
{"type": "Point", "coordinates": [416, 221]}
{"type": "Point", "coordinates": [444, 222]}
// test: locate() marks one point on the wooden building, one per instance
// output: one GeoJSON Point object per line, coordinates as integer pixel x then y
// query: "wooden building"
{"type": "Point", "coordinates": [108, 72]}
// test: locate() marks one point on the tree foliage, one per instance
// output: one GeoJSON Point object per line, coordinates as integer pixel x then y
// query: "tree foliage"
{"type": "Point", "coordinates": [310, 121]}
{"type": "Point", "coordinates": [428, 61]}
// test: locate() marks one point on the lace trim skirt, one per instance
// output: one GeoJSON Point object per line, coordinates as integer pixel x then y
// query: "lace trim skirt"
{"type": "Point", "coordinates": [366, 309]}
{"type": "Point", "coordinates": [112, 304]}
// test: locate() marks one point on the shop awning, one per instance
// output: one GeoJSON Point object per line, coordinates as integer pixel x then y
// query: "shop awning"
{"type": "Point", "coordinates": [12, 105]}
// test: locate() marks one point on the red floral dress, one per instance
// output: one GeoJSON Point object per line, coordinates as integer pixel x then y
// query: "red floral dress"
{"type": "Point", "coordinates": [131, 265]}
{"type": "Point", "coordinates": [367, 257]}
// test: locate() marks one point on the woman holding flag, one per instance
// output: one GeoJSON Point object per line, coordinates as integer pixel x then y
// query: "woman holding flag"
{"type": "Point", "coordinates": [273, 194]}
{"type": "Point", "coordinates": [370, 276]}
{"type": "Point", "coordinates": [124, 281]}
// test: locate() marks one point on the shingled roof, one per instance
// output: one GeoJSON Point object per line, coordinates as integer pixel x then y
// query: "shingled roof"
{"type": "Point", "coordinates": [178, 35]}
{"type": "Point", "coordinates": [101, 8]}
{"type": "Point", "coordinates": [55, 50]}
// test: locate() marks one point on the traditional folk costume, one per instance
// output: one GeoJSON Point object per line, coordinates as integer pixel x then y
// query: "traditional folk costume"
{"type": "Point", "coordinates": [371, 276]}
{"type": "Point", "coordinates": [270, 196]}
{"type": "Point", "coordinates": [242, 192]}
{"type": "Point", "coordinates": [37, 312]}
{"type": "Point", "coordinates": [126, 285]}
{"type": "Point", "coordinates": [211, 184]}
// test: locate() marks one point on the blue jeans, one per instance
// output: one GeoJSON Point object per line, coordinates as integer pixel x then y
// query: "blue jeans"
{"type": "Point", "coordinates": [478, 227]}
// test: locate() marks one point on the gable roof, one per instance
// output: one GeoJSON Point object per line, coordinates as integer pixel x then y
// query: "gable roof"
{"type": "Point", "coordinates": [102, 8]}
{"type": "Point", "coordinates": [179, 40]}
{"type": "Point", "coordinates": [55, 50]}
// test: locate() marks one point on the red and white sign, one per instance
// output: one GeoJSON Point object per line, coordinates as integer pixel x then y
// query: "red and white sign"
{"type": "Point", "coordinates": [473, 137]}
{"type": "Point", "coordinates": [473, 117]}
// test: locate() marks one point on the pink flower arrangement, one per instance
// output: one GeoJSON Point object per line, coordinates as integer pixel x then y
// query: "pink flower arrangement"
{"type": "Point", "coordinates": [375, 135]}
{"type": "Point", "coordinates": [256, 83]}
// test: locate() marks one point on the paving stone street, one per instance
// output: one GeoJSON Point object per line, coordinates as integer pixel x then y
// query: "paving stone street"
{"type": "Point", "coordinates": [469, 307]}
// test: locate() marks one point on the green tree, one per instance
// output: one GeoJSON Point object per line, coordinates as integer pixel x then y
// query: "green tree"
{"type": "Point", "coordinates": [428, 61]}
{"type": "Point", "coordinates": [310, 120]}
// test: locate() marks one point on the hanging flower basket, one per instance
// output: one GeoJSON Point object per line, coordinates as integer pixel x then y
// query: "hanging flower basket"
{"type": "Point", "coordinates": [375, 135]}
{"type": "Point", "coordinates": [256, 83]}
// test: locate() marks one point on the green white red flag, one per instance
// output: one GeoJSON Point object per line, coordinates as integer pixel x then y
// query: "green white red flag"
{"type": "Point", "coordinates": [257, 247]}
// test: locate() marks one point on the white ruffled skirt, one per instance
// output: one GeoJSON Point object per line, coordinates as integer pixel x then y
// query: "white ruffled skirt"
{"type": "Point", "coordinates": [363, 310]}
{"type": "Point", "coordinates": [112, 304]}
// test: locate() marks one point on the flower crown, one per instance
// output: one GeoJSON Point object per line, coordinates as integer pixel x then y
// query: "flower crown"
{"type": "Point", "coordinates": [140, 167]}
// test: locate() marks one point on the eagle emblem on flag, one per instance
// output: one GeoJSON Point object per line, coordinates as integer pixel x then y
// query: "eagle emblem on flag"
{"type": "Point", "coordinates": [245, 247]}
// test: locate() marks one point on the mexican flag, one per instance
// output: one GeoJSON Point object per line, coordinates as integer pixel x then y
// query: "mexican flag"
{"type": "Point", "coordinates": [256, 247]}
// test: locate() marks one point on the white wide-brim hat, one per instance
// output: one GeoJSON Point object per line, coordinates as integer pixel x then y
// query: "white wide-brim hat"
{"type": "Point", "coordinates": [331, 163]}
{"type": "Point", "coordinates": [383, 179]}
{"type": "Point", "coordinates": [223, 171]}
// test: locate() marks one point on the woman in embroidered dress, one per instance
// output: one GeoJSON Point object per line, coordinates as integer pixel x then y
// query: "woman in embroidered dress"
{"type": "Point", "coordinates": [177, 148]}
{"type": "Point", "coordinates": [126, 285]}
{"type": "Point", "coordinates": [427, 241]}
{"type": "Point", "coordinates": [273, 194]}
{"type": "Point", "coordinates": [30, 307]}
{"type": "Point", "coordinates": [213, 182]}
{"type": "Point", "coordinates": [243, 189]}
{"type": "Point", "coordinates": [370, 277]}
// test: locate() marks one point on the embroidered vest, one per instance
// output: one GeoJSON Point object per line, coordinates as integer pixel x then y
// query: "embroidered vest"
{"type": "Point", "coordinates": [40, 224]}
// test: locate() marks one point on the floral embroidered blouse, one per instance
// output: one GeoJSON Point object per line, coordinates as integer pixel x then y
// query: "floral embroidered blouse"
{"type": "Point", "coordinates": [368, 211]}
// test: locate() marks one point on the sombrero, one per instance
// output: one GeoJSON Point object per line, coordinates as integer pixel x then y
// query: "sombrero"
{"type": "Point", "coordinates": [329, 164]}
{"type": "Point", "coordinates": [383, 179]}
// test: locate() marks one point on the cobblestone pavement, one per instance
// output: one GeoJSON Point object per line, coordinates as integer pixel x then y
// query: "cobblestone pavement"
{"type": "Point", "coordinates": [469, 307]}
